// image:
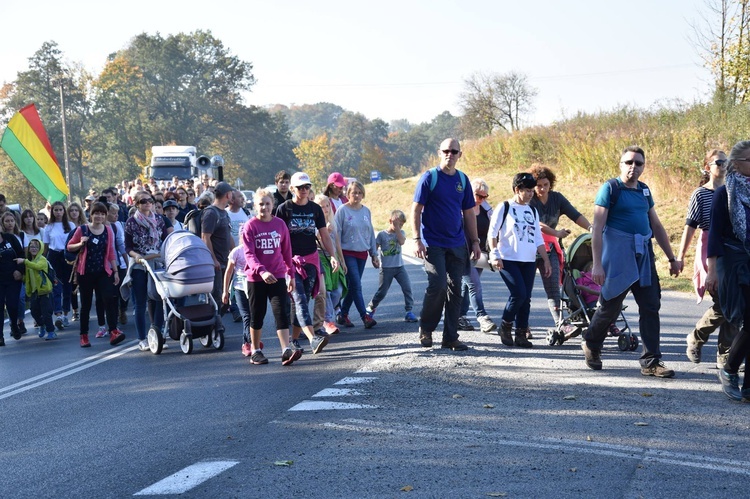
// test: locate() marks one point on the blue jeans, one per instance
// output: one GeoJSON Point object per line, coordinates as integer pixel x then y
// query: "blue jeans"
{"type": "Point", "coordinates": [63, 289]}
{"type": "Point", "coordinates": [355, 269]}
{"type": "Point", "coordinates": [139, 292]}
{"type": "Point", "coordinates": [471, 291]}
{"type": "Point", "coordinates": [519, 278]}
{"type": "Point", "coordinates": [444, 268]}
{"type": "Point", "coordinates": [243, 307]}
{"type": "Point", "coordinates": [301, 295]}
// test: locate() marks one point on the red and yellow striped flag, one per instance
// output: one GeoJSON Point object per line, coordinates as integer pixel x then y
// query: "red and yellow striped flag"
{"type": "Point", "coordinates": [27, 144]}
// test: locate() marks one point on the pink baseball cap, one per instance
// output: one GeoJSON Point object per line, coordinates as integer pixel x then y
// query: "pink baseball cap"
{"type": "Point", "coordinates": [337, 179]}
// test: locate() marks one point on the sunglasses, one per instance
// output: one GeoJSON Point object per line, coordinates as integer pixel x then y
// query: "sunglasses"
{"type": "Point", "coordinates": [481, 196]}
{"type": "Point", "coordinates": [631, 162]}
{"type": "Point", "coordinates": [305, 187]}
{"type": "Point", "coordinates": [450, 151]}
{"type": "Point", "coordinates": [719, 162]}
{"type": "Point", "coordinates": [145, 200]}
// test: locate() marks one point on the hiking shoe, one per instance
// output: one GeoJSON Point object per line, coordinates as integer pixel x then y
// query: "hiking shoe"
{"type": "Point", "coordinates": [85, 341]}
{"type": "Point", "coordinates": [76, 316]}
{"type": "Point", "coordinates": [694, 351]}
{"type": "Point", "coordinates": [455, 345]}
{"type": "Point", "coordinates": [258, 357]}
{"type": "Point", "coordinates": [59, 322]}
{"type": "Point", "coordinates": [369, 321]}
{"type": "Point", "coordinates": [343, 320]}
{"type": "Point", "coordinates": [425, 338]}
{"type": "Point", "coordinates": [506, 333]}
{"type": "Point", "coordinates": [464, 324]}
{"type": "Point", "coordinates": [410, 317]}
{"type": "Point", "coordinates": [102, 332]}
{"type": "Point", "coordinates": [123, 317]}
{"type": "Point", "coordinates": [247, 349]}
{"type": "Point", "coordinates": [290, 356]}
{"type": "Point", "coordinates": [485, 324]}
{"type": "Point", "coordinates": [143, 346]}
{"type": "Point", "coordinates": [318, 343]}
{"type": "Point", "coordinates": [659, 370]}
{"type": "Point", "coordinates": [330, 328]}
{"type": "Point", "coordinates": [593, 357]}
{"type": "Point", "coordinates": [116, 337]}
{"type": "Point", "coordinates": [297, 346]}
{"type": "Point", "coordinates": [730, 384]}
{"type": "Point", "coordinates": [522, 338]}
{"type": "Point", "coordinates": [51, 336]}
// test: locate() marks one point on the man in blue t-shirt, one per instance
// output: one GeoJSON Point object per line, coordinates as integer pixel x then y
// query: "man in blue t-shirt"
{"type": "Point", "coordinates": [623, 260]}
{"type": "Point", "coordinates": [443, 208]}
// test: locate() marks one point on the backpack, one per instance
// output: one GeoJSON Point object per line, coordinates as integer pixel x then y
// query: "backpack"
{"type": "Point", "coordinates": [70, 256]}
{"type": "Point", "coordinates": [434, 178]}
{"type": "Point", "coordinates": [50, 274]}
{"type": "Point", "coordinates": [614, 190]}
{"type": "Point", "coordinates": [192, 221]}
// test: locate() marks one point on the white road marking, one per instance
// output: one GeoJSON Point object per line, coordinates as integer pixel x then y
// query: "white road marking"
{"type": "Point", "coordinates": [64, 371]}
{"type": "Point", "coordinates": [565, 445]}
{"type": "Point", "coordinates": [354, 381]}
{"type": "Point", "coordinates": [320, 405]}
{"type": "Point", "coordinates": [412, 260]}
{"type": "Point", "coordinates": [337, 392]}
{"type": "Point", "coordinates": [187, 478]}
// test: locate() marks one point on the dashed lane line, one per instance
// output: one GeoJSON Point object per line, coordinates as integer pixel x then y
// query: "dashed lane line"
{"type": "Point", "coordinates": [187, 478]}
{"type": "Point", "coordinates": [323, 405]}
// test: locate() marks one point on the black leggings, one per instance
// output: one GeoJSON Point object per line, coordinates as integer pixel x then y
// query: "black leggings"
{"type": "Point", "coordinates": [258, 294]}
{"type": "Point", "coordinates": [104, 285]}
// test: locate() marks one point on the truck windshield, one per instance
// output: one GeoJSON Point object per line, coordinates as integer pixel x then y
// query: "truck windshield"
{"type": "Point", "coordinates": [167, 172]}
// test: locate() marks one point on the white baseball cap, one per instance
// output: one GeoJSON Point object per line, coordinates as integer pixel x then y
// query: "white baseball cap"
{"type": "Point", "coordinates": [300, 178]}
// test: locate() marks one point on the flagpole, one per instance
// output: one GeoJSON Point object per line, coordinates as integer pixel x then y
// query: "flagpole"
{"type": "Point", "coordinates": [65, 136]}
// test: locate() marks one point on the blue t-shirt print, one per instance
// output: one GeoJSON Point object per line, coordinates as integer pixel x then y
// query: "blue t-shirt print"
{"type": "Point", "coordinates": [442, 217]}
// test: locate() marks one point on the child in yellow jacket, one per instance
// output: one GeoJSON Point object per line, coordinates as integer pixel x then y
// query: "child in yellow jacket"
{"type": "Point", "coordinates": [39, 288]}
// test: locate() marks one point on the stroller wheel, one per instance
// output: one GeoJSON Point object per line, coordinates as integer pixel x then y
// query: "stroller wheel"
{"type": "Point", "coordinates": [218, 339]}
{"type": "Point", "coordinates": [633, 342]}
{"type": "Point", "coordinates": [186, 339]}
{"type": "Point", "coordinates": [207, 340]}
{"type": "Point", "coordinates": [552, 337]}
{"type": "Point", "coordinates": [155, 341]}
{"type": "Point", "coordinates": [623, 343]}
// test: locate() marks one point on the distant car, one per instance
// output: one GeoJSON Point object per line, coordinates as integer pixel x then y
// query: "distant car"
{"type": "Point", "coordinates": [249, 195]}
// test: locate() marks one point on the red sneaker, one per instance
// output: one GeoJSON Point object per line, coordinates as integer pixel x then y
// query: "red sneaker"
{"type": "Point", "coordinates": [247, 349]}
{"type": "Point", "coordinates": [116, 337]}
{"type": "Point", "coordinates": [330, 328]}
{"type": "Point", "coordinates": [85, 341]}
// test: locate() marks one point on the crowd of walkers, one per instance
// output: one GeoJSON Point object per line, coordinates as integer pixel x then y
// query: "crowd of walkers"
{"type": "Point", "coordinates": [301, 247]}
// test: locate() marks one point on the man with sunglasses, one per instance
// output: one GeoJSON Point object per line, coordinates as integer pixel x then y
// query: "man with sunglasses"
{"type": "Point", "coordinates": [443, 209]}
{"type": "Point", "coordinates": [623, 260]}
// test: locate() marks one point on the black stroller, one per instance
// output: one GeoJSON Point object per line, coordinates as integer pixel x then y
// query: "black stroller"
{"type": "Point", "coordinates": [577, 257]}
{"type": "Point", "coordinates": [187, 277]}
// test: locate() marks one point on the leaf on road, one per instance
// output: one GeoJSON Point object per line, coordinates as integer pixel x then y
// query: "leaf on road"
{"type": "Point", "coordinates": [647, 394]}
{"type": "Point", "coordinates": [488, 406]}
{"type": "Point", "coordinates": [640, 423]}
{"type": "Point", "coordinates": [573, 469]}
{"type": "Point", "coordinates": [457, 396]}
{"type": "Point", "coordinates": [497, 494]}
{"type": "Point", "coordinates": [589, 439]}
{"type": "Point", "coordinates": [569, 397]}
{"type": "Point", "coordinates": [283, 463]}
{"type": "Point", "coordinates": [407, 488]}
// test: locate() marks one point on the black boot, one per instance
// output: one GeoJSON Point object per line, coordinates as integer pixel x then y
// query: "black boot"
{"type": "Point", "coordinates": [522, 338]}
{"type": "Point", "coordinates": [506, 333]}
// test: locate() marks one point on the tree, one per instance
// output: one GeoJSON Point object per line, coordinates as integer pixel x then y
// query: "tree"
{"type": "Point", "coordinates": [493, 102]}
{"type": "Point", "coordinates": [316, 159]}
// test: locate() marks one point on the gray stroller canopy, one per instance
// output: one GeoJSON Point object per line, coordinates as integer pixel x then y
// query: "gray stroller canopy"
{"type": "Point", "coordinates": [187, 258]}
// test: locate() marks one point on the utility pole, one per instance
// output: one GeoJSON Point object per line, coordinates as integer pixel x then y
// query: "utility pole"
{"type": "Point", "coordinates": [65, 137]}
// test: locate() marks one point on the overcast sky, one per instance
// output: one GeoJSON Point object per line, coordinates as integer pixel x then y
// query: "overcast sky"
{"type": "Point", "coordinates": [399, 59]}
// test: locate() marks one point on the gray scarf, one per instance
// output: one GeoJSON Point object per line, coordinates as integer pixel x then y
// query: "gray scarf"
{"type": "Point", "coordinates": [738, 193]}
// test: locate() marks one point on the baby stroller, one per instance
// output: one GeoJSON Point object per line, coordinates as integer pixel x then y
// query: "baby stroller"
{"type": "Point", "coordinates": [187, 277]}
{"type": "Point", "coordinates": [576, 259]}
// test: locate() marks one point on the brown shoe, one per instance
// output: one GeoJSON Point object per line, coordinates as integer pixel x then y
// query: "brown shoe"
{"type": "Point", "coordinates": [593, 357]}
{"type": "Point", "coordinates": [506, 333]}
{"type": "Point", "coordinates": [425, 338]}
{"type": "Point", "coordinates": [693, 350]}
{"type": "Point", "coordinates": [522, 338]}
{"type": "Point", "coordinates": [659, 370]}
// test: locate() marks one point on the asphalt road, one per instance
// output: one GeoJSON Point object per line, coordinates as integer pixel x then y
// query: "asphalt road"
{"type": "Point", "coordinates": [374, 415]}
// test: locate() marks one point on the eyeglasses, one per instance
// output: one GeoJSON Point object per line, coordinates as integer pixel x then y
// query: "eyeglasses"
{"type": "Point", "coordinates": [145, 200]}
{"type": "Point", "coordinates": [450, 151]}
{"type": "Point", "coordinates": [719, 162]}
{"type": "Point", "coordinates": [631, 162]}
{"type": "Point", "coordinates": [305, 187]}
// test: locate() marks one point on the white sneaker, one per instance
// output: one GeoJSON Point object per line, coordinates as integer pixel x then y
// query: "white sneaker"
{"type": "Point", "coordinates": [486, 324]}
{"type": "Point", "coordinates": [143, 346]}
{"type": "Point", "coordinates": [102, 332]}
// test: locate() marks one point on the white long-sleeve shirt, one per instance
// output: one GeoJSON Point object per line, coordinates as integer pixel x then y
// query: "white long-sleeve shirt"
{"type": "Point", "coordinates": [520, 235]}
